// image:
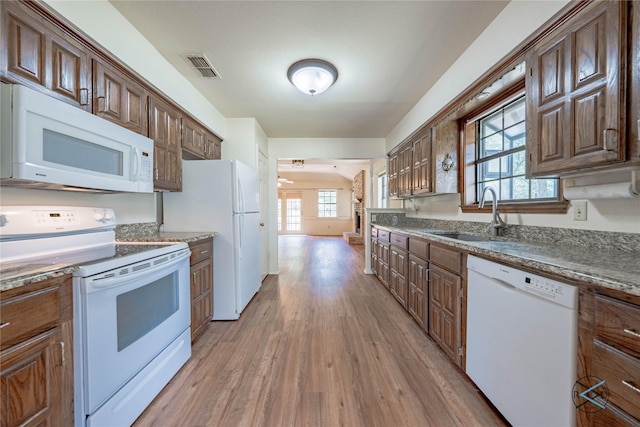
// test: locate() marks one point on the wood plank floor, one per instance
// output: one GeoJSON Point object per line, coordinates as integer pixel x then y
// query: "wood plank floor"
{"type": "Point", "coordinates": [321, 344]}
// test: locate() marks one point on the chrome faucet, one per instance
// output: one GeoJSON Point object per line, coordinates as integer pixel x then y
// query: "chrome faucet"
{"type": "Point", "coordinates": [497, 224]}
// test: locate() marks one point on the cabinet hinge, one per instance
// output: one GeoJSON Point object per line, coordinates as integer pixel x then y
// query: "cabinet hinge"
{"type": "Point", "coordinates": [530, 72]}
{"type": "Point", "coordinates": [460, 292]}
{"type": "Point", "coordinates": [460, 351]}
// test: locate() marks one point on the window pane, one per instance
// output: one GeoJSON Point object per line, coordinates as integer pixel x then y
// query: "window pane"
{"type": "Point", "coordinates": [502, 139]}
{"type": "Point", "coordinates": [491, 124]}
{"type": "Point", "coordinates": [514, 113]}
{"type": "Point", "coordinates": [544, 188]}
{"type": "Point", "coordinates": [514, 136]}
{"type": "Point", "coordinates": [491, 145]}
{"type": "Point", "coordinates": [327, 206]}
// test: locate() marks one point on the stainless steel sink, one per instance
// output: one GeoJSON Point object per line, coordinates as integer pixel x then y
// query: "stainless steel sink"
{"type": "Point", "coordinates": [465, 237]}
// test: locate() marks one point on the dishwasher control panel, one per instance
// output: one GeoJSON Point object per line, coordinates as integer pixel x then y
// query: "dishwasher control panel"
{"type": "Point", "coordinates": [543, 287]}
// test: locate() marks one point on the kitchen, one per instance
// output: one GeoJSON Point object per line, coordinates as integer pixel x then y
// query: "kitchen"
{"type": "Point", "coordinates": [245, 139]}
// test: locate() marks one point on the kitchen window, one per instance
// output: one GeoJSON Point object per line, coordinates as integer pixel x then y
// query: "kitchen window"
{"type": "Point", "coordinates": [494, 143]}
{"type": "Point", "coordinates": [327, 204]}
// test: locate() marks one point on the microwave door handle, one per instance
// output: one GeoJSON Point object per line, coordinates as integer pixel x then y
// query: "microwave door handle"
{"type": "Point", "coordinates": [136, 164]}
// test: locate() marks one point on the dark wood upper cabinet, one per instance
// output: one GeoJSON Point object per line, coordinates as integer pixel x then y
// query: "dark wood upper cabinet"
{"type": "Point", "coordinates": [119, 98]}
{"type": "Point", "coordinates": [422, 181]}
{"type": "Point", "coordinates": [165, 130]}
{"type": "Point", "coordinates": [634, 85]}
{"type": "Point", "coordinates": [198, 143]}
{"type": "Point", "coordinates": [40, 54]}
{"type": "Point", "coordinates": [575, 93]}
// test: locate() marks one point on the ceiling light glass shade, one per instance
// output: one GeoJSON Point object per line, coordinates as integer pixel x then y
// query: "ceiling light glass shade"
{"type": "Point", "coordinates": [312, 76]}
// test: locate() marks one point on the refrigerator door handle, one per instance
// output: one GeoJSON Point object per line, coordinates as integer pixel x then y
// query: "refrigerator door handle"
{"type": "Point", "coordinates": [241, 236]}
{"type": "Point", "coordinates": [240, 196]}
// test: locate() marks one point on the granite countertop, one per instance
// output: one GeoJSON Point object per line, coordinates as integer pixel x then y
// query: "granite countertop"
{"type": "Point", "coordinates": [14, 275]}
{"type": "Point", "coordinates": [609, 268]}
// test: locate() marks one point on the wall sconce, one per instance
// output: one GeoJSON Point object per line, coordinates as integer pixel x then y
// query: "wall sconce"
{"type": "Point", "coordinates": [312, 76]}
{"type": "Point", "coordinates": [297, 164]}
{"type": "Point", "coordinates": [447, 163]}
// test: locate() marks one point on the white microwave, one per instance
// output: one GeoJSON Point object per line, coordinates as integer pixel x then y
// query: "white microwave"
{"type": "Point", "coordinates": [46, 143]}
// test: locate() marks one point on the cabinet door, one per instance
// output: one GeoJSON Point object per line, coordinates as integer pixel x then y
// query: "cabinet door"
{"type": "Point", "coordinates": [193, 138]}
{"type": "Point", "coordinates": [422, 164]}
{"type": "Point", "coordinates": [574, 91]}
{"type": "Point", "coordinates": [118, 98]}
{"type": "Point", "coordinates": [212, 149]}
{"type": "Point", "coordinates": [416, 303]}
{"type": "Point", "coordinates": [32, 381]}
{"type": "Point", "coordinates": [445, 144]}
{"type": "Point", "coordinates": [404, 173]}
{"type": "Point", "coordinates": [634, 81]}
{"type": "Point", "coordinates": [392, 182]}
{"type": "Point", "coordinates": [41, 56]}
{"type": "Point", "coordinates": [201, 296]}
{"type": "Point", "coordinates": [444, 311]}
{"type": "Point", "coordinates": [164, 129]}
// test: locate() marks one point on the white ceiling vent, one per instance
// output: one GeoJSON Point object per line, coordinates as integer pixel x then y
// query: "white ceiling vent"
{"type": "Point", "coordinates": [202, 64]}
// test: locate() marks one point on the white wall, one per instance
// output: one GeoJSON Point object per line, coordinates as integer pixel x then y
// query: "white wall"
{"type": "Point", "coordinates": [130, 208]}
{"type": "Point", "coordinates": [245, 139]}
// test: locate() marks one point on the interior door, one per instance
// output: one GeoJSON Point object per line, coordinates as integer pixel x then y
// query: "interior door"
{"type": "Point", "coordinates": [263, 175]}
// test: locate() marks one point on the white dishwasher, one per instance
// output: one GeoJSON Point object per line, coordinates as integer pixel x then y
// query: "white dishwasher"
{"type": "Point", "coordinates": [522, 343]}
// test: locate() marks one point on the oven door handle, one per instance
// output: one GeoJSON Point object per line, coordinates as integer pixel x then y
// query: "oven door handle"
{"type": "Point", "coordinates": [109, 282]}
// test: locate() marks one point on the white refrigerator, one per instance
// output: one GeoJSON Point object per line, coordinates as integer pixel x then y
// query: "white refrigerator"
{"type": "Point", "coordinates": [222, 196]}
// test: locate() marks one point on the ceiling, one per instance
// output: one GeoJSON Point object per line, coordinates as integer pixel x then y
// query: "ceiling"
{"type": "Point", "coordinates": [347, 168]}
{"type": "Point", "coordinates": [388, 54]}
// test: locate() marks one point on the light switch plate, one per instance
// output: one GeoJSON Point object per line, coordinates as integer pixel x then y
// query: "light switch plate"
{"type": "Point", "coordinates": [579, 210]}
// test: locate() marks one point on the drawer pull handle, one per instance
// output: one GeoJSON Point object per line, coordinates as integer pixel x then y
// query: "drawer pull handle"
{"type": "Point", "coordinates": [631, 386]}
{"type": "Point", "coordinates": [632, 332]}
{"type": "Point", "coordinates": [4, 325]}
{"type": "Point", "coordinates": [204, 252]}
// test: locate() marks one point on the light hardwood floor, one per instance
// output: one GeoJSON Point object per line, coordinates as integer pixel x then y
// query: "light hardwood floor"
{"type": "Point", "coordinates": [321, 344]}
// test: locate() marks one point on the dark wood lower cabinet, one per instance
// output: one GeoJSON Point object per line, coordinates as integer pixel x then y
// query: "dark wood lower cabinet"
{"type": "Point", "coordinates": [201, 286]}
{"type": "Point", "coordinates": [428, 280]}
{"type": "Point", "coordinates": [444, 310]}
{"type": "Point", "coordinates": [416, 300]}
{"type": "Point", "coordinates": [609, 350]}
{"type": "Point", "coordinates": [36, 356]}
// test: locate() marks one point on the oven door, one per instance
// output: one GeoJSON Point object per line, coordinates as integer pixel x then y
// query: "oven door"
{"type": "Point", "coordinates": [127, 321]}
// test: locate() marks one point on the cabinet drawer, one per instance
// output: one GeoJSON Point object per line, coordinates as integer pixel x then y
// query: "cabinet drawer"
{"type": "Point", "coordinates": [419, 248]}
{"type": "Point", "coordinates": [618, 323]}
{"type": "Point", "coordinates": [25, 316]}
{"type": "Point", "coordinates": [400, 241]}
{"type": "Point", "coordinates": [447, 258]}
{"type": "Point", "coordinates": [383, 235]}
{"type": "Point", "coordinates": [201, 250]}
{"type": "Point", "coordinates": [622, 375]}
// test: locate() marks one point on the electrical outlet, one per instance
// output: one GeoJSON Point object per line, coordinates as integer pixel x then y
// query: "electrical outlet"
{"type": "Point", "coordinates": [579, 210]}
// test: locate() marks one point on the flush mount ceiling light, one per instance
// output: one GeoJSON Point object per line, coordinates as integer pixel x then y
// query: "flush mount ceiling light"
{"type": "Point", "coordinates": [298, 164]}
{"type": "Point", "coordinates": [312, 76]}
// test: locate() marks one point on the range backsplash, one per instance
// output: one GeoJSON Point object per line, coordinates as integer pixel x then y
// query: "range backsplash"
{"type": "Point", "coordinates": [607, 240]}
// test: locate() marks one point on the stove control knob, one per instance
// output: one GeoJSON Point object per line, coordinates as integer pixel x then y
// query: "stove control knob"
{"type": "Point", "coordinates": [98, 216]}
{"type": "Point", "coordinates": [3, 220]}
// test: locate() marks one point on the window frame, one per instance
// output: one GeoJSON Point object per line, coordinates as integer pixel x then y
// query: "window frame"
{"type": "Point", "coordinates": [335, 204]}
{"type": "Point", "coordinates": [469, 153]}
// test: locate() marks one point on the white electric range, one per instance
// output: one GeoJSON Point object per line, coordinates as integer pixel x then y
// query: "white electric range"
{"type": "Point", "coordinates": [131, 304]}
